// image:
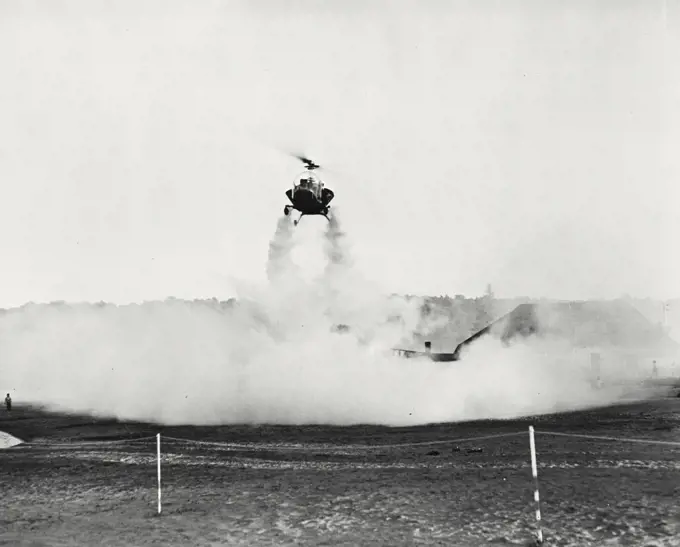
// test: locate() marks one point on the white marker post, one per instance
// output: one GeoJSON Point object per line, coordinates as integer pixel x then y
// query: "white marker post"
{"type": "Point", "coordinates": [534, 473]}
{"type": "Point", "coordinates": [158, 458]}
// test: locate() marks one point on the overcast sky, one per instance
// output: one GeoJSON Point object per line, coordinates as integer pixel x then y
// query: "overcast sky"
{"type": "Point", "coordinates": [527, 144]}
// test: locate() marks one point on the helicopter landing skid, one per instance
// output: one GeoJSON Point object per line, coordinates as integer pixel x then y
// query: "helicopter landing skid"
{"type": "Point", "coordinates": [297, 221]}
{"type": "Point", "coordinates": [288, 208]}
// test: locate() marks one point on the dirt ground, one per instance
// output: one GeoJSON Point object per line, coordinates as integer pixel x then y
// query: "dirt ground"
{"type": "Point", "coordinates": [80, 481]}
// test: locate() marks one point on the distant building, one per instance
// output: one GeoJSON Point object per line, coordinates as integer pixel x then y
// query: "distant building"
{"type": "Point", "coordinates": [601, 334]}
{"type": "Point", "coordinates": [607, 337]}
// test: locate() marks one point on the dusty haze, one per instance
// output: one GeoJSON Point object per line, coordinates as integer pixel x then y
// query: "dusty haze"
{"type": "Point", "coordinates": [273, 357]}
{"type": "Point", "coordinates": [530, 144]}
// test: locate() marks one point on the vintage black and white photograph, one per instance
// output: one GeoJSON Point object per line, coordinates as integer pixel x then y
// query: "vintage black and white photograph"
{"type": "Point", "coordinates": [339, 273]}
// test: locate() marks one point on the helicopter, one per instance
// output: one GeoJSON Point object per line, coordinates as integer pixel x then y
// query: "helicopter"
{"type": "Point", "coordinates": [308, 194]}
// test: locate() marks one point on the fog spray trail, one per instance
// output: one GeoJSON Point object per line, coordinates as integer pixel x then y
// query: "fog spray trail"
{"type": "Point", "coordinates": [337, 278]}
{"type": "Point", "coordinates": [279, 261]}
{"type": "Point", "coordinates": [337, 253]}
{"type": "Point", "coordinates": [273, 357]}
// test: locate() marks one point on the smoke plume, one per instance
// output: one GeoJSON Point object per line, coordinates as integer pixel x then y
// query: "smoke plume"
{"type": "Point", "coordinates": [279, 261]}
{"type": "Point", "coordinates": [276, 355]}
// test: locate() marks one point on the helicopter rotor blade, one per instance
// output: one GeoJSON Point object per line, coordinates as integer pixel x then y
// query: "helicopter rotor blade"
{"type": "Point", "coordinates": [311, 165]}
{"type": "Point", "coordinates": [307, 162]}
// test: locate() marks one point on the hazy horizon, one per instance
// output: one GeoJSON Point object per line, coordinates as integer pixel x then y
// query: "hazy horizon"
{"type": "Point", "coordinates": [415, 295]}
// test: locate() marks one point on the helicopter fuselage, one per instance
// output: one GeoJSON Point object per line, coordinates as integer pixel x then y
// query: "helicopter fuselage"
{"type": "Point", "coordinates": [308, 203]}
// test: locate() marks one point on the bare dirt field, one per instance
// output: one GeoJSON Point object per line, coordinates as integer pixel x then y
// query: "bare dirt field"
{"type": "Point", "coordinates": [85, 481]}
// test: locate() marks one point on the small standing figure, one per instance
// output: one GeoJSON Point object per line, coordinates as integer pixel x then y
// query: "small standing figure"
{"type": "Point", "coordinates": [8, 403]}
{"type": "Point", "coordinates": [655, 369]}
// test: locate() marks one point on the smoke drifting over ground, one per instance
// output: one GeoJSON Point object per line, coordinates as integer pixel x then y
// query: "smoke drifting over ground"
{"type": "Point", "coordinates": [273, 357]}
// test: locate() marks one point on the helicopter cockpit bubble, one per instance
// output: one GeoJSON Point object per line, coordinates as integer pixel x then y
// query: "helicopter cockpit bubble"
{"type": "Point", "coordinates": [310, 182]}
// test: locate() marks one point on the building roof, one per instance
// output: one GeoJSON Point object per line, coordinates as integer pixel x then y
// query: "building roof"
{"type": "Point", "coordinates": [613, 323]}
